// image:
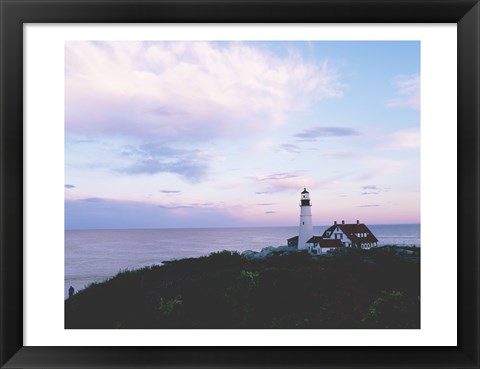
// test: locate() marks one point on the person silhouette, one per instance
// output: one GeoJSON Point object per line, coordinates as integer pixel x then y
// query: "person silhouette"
{"type": "Point", "coordinates": [71, 291]}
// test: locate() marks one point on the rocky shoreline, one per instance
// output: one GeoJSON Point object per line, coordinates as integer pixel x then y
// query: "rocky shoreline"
{"type": "Point", "coordinates": [268, 252]}
{"type": "Point", "coordinates": [272, 251]}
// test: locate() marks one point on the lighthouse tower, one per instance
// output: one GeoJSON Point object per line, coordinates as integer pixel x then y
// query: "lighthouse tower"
{"type": "Point", "coordinates": [306, 227]}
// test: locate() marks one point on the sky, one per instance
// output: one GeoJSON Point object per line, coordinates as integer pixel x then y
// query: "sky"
{"type": "Point", "coordinates": [227, 134]}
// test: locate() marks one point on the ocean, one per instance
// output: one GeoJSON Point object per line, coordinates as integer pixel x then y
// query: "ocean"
{"type": "Point", "coordinates": [96, 255]}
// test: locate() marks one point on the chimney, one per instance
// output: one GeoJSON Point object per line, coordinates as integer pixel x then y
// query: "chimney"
{"type": "Point", "coordinates": [343, 222]}
{"type": "Point", "coordinates": [358, 222]}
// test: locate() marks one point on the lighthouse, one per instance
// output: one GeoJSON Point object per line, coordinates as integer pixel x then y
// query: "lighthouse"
{"type": "Point", "coordinates": [306, 227]}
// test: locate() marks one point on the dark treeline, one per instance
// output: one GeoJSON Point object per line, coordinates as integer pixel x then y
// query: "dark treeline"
{"type": "Point", "coordinates": [378, 288]}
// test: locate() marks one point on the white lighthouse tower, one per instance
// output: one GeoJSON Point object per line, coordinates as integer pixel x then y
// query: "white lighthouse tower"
{"type": "Point", "coordinates": [306, 227]}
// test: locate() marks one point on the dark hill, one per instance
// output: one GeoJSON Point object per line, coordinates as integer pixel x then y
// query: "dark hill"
{"type": "Point", "coordinates": [378, 288]}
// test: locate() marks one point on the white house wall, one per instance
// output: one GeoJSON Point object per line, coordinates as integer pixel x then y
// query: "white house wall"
{"type": "Point", "coordinates": [321, 250]}
{"type": "Point", "coordinates": [338, 234]}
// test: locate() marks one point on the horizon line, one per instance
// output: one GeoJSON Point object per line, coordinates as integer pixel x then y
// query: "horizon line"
{"type": "Point", "coordinates": [227, 227]}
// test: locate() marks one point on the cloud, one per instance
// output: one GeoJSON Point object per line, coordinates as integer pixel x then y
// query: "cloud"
{"type": "Point", "coordinates": [69, 186]}
{"type": "Point", "coordinates": [370, 190]}
{"type": "Point", "coordinates": [189, 169]}
{"type": "Point", "coordinates": [408, 89]}
{"type": "Point", "coordinates": [277, 176]}
{"type": "Point", "coordinates": [187, 90]}
{"type": "Point", "coordinates": [270, 212]}
{"type": "Point", "coordinates": [313, 133]}
{"type": "Point", "coordinates": [378, 167]}
{"type": "Point", "coordinates": [284, 181]}
{"type": "Point", "coordinates": [93, 199]}
{"type": "Point", "coordinates": [263, 193]}
{"type": "Point", "coordinates": [368, 206]}
{"type": "Point", "coordinates": [341, 155]}
{"type": "Point", "coordinates": [165, 111]}
{"type": "Point", "coordinates": [266, 204]}
{"type": "Point", "coordinates": [170, 191]}
{"type": "Point", "coordinates": [205, 204]}
{"type": "Point", "coordinates": [294, 149]}
{"type": "Point", "coordinates": [403, 140]}
{"type": "Point", "coordinates": [175, 207]}
{"type": "Point", "coordinates": [154, 158]}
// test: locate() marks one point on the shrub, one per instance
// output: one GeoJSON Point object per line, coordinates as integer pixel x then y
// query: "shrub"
{"type": "Point", "coordinates": [392, 310]}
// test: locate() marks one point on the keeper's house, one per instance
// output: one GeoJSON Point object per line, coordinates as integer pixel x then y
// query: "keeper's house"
{"type": "Point", "coordinates": [350, 235]}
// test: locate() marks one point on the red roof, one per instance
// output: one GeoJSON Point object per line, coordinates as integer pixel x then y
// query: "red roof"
{"type": "Point", "coordinates": [325, 242]}
{"type": "Point", "coordinates": [350, 231]}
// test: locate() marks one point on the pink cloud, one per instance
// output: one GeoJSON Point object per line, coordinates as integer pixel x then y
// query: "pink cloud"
{"type": "Point", "coordinates": [186, 89]}
{"type": "Point", "coordinates": [403, 139]}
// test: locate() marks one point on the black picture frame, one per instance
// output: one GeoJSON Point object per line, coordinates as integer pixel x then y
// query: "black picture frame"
{"type": "Point", "coordinates": [15, 13]}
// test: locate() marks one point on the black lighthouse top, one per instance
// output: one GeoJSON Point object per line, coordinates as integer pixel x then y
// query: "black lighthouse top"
{"type": "Point", "coordinates": [305, 200]}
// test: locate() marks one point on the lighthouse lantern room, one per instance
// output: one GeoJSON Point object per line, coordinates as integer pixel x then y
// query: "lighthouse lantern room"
{"type": "Point", "coordinates": [306, 225]}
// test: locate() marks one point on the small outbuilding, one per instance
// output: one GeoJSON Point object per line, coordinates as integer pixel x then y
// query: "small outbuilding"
{"type": "Point", "coordinates": [293, 241]}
